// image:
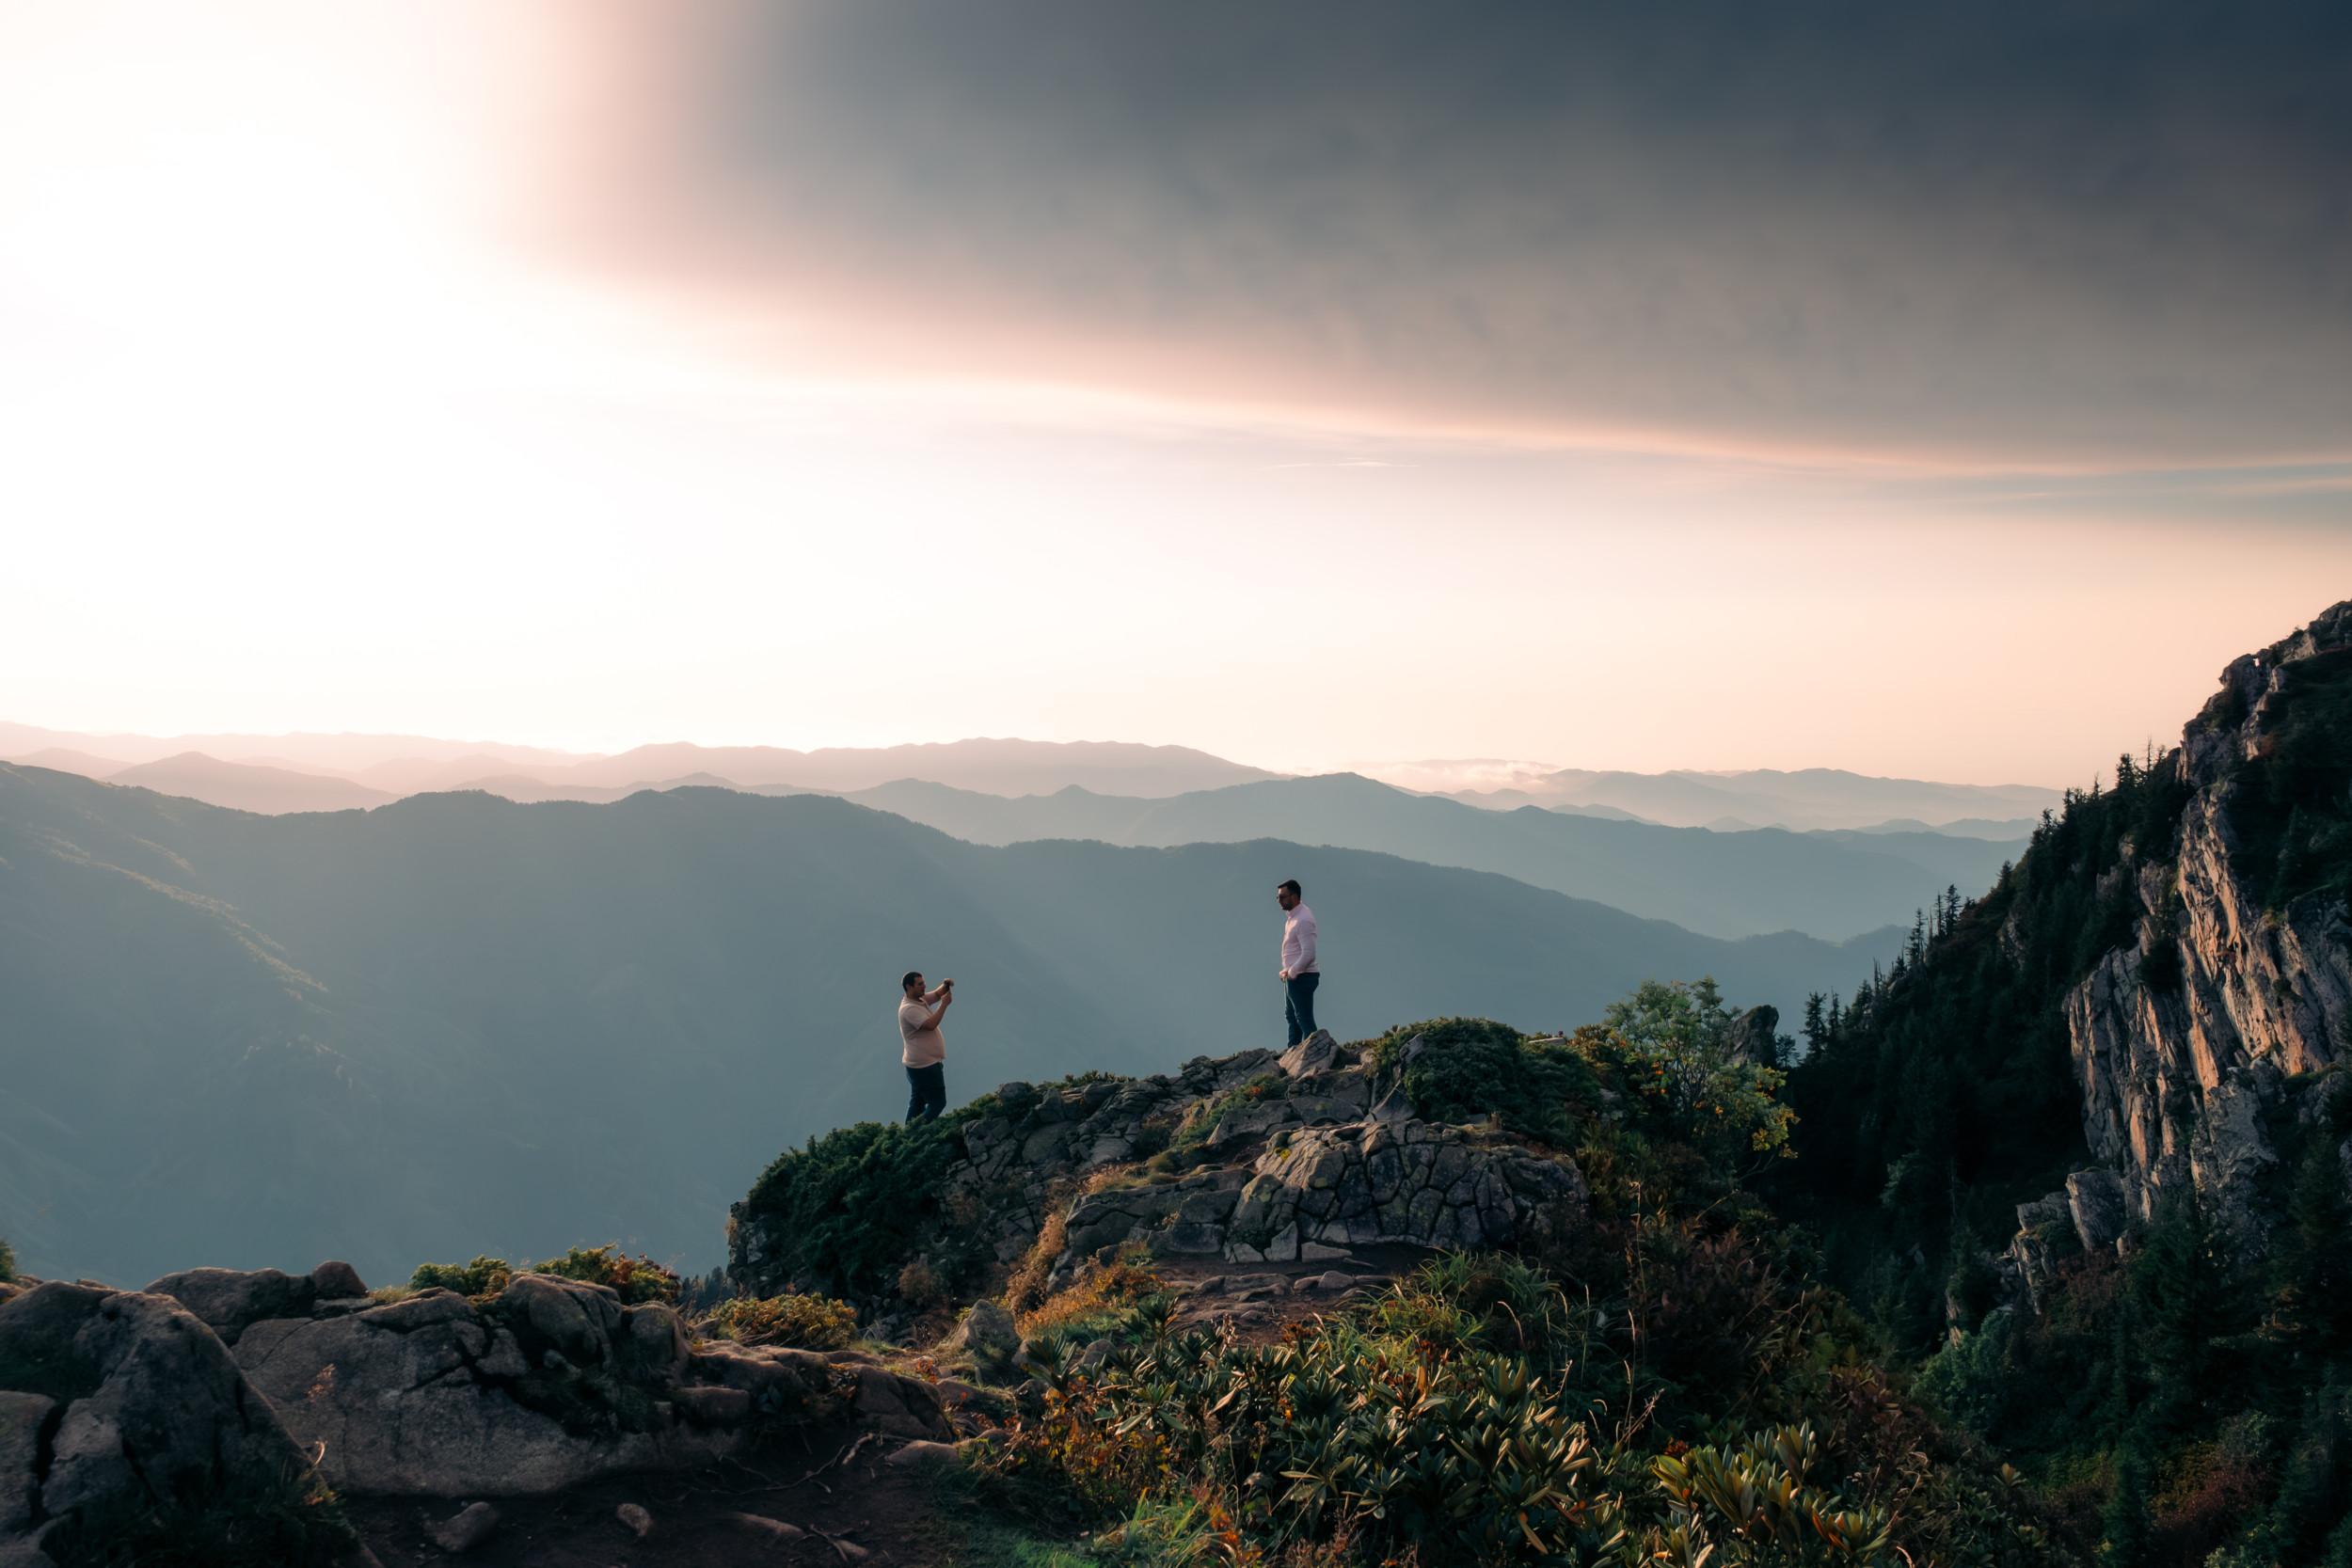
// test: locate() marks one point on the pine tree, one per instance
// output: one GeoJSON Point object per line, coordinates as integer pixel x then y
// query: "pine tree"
{"type": "Point", "coordinates": [2182, 1291]}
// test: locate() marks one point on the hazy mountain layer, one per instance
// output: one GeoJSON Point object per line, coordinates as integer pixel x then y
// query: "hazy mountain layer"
{"type": "Point", "coordinates": [996, 767]}
{"type": "Point", "coordinates": [249, 785]}
{"type": "Point", "coordinates": [1833, 885]}
{"type": "Point", "coordinates": [1805, 797]}
{"type": "Point", "coordinates": [432, 1027]}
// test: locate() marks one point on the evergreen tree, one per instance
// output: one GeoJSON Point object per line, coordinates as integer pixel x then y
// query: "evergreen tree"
{"type": "Point", "coordinates": [2180, 1289]}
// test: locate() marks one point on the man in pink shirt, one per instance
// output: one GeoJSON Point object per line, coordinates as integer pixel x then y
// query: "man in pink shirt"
{"type": "Point", "coordinates": [920, 1047]}
{"type": "Point", "coordinates": [1299, 973]}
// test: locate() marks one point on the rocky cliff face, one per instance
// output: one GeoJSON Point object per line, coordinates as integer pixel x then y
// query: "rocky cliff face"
{"type": "Point", "coordinates": [2191, 1044]}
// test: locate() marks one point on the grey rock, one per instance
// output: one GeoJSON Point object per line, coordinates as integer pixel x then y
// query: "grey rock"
{"type": "Point", "coordinates": [900, 1406]}
{"type": "Point", "coordinates": [414, 1398]}
{"type": "Point", "coordinates": [638, 1522]}
{"type": "Point", "coordinates": [230, 1301]}
{"type": "Point", "coordinates": [576, 1320]}
{"type": "Point", "coordinates": [22, 1417]}
{"type": "Point", "coordinates": [465, 1529]}
{"type": "Point", "coordinates": [151, 1402]}
{"type": "Point", "coordinates": [1318, 1052]}
{"type": "Point", "coordinates": [2095, 1201]}
{"type": "Point", "coordinates": [336, 1280]}
{"type": "Point", "coordinates": [986, 1335]}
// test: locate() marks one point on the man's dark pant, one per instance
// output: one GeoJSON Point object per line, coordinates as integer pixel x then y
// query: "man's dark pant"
{"type": "Point", "coordinates": [927, 1091]}
{"type": "Point", "coordinates": [1298, 1004]}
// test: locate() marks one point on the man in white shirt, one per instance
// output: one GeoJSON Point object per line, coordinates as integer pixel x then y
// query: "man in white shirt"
{"type": "Point", "coordinates": [921, 1047]}
{"type": "Point", "coordinates": [1299, 973]}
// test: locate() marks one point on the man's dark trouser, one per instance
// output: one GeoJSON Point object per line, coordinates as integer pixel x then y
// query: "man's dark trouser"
{"type": "Point", "coordinates": [1298, 1004]}
{"type": "Point", "coordinates": [927, 1091]}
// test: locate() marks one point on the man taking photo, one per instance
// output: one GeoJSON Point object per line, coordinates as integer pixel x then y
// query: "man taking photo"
{"type": "Point", "coordinates": [922, 1049]}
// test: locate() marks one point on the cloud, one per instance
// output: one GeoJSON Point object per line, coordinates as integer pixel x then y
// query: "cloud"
{"type": "Point", "coordinates": [2042, 236]}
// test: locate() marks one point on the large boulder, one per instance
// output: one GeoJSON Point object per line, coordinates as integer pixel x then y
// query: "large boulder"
{"type": "Point", "coordinates": [111, 1402]}
{"type": "Point", "coordinates": [230, 1301]}
{"type": "Point", "coordinates": [550, 1384]}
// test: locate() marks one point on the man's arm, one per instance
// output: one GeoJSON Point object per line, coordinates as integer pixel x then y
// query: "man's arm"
{"type": "Point", "coordinates": [938, 1012]}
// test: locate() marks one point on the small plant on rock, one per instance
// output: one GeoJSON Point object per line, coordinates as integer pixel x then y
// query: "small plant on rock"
{"type": "Point", "coordinates": [484, 1276]}
{"type": "Point", "coordinates": [633, 1279]}
{"type": "Point", "coordinates": [802, 1321]}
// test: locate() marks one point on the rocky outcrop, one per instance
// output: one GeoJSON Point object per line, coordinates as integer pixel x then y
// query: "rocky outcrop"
{"type": "Point", "coordinates": [2188, 1044]}
{"type": "Point", "coordinates": [546, 1385]}
{"type": "Point", "coordinates": [1302, 1155]}
{"type": "Point", "coordinates": [116, 1402]}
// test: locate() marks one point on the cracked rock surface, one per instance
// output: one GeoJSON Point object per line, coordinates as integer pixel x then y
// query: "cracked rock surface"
{"type": "Point", "coordinates": [119, 1396]}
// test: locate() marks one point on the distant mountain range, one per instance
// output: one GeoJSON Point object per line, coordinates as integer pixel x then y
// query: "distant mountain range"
{"type": "Point", "coordinates": [456, 1023]}
{"type": "Point", "coordinates": [1829, 884]}
{"type": "Point", "coordinates": [1810, 799]}
{"type": "Point", "coordinates": [1723, 881]}
{"type": "Point", "coordinates": [409, 764]}
{"type": "Point", "coordinates": [1807, 798]}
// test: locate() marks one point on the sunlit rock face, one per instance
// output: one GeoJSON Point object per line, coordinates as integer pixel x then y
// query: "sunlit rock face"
{"type": "Point", "coordinates": [2190, 1044]}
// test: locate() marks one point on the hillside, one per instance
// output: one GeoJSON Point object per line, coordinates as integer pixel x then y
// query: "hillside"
{"type": "Point", "coordinates": [2089, 1141]}
{"type": "Point", "coordinates": [1833, 885]}
{"type": "Point", "coordinates": [433, 1026]}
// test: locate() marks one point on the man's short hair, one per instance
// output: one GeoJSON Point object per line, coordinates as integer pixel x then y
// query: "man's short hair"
{"type": "Point", "coordinates": [1291, 887]}
{"type": "Point", "coordinates": [908, 978]}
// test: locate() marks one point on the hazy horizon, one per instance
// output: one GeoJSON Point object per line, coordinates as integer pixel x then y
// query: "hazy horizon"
{"type": "Point", "coordinates": [1426, 774]}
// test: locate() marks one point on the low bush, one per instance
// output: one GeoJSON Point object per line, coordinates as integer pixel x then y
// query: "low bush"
{"type": "Point", "coordinates": [1474, 1066]}
{"type": "Point", "coordinates": [1483, 1411]}
{"type": "Point", "coordinates": [8, 1262]}
{"type": "Point", "coordinates": [633, 1279]}
{"type": "Point", "coordinates": [802, 1321]}
{"type": "Point", "coordinates": [484, 1276]}
{"type": "Point", "coordinates": [854, 1206]}
{"type": "Point", "coordinates": [1103, 1300]}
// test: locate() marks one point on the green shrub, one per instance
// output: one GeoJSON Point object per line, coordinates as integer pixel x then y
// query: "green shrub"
{"type": "Point", "coordinates": [1473, 1067]}
{"type": "Point", "coordinates": [852, 1207]}
{"type": "Point", "coordinates": [803, 1322]}
{"type": "Point", "coordinates": [8, 1262]}
{"type": "Point", "coordinates": [633, 1279]}
{"type": "Point", "coordinates": [484, 1276]}
{"type": "Point", "coordinates": [1668, 1044]}
{"type": "Point", "coordinates": [1465, 1454]}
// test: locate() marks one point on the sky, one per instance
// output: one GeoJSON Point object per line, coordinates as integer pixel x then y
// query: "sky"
{"type": "Point", "coordinates": [1943, 391]}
